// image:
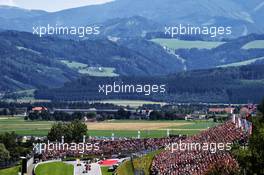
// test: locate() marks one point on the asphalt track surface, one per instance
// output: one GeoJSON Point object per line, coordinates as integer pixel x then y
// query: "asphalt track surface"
{"type": "Point", "coordinates": [78, 170]}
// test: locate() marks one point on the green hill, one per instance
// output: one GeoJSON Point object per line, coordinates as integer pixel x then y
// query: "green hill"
{"type": "Point", "coordinates": [257, 44]}
{"type": "Point", "coordinates": [30, 62]}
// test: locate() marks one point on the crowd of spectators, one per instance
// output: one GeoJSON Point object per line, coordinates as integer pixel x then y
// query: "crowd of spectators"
{"type": "Point", "coordinates": [186, 162]}
{"type": "Point", "coordinates": [108, 148]}
{"type": "Point", "coordinates": [198, 162]}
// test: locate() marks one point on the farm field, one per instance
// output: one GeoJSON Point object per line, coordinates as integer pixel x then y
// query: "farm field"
{"type": "Point", "coordinates": [183, 44]}
{"type": "Point", "coordinates": [131, 103]}
{"type": "Point", "coordinates": [243, 63]}
{"type": "Point", "coordinates": [23, 96]}
{"type": "Point", "coordinates": [257, 44]}
{"type": "Point", "coordinates": [54, 168]}
{"type": "Point", "coordinates": [134, 125]}
{"type": "Point", "coordinates": [22, 127]}
{"type": "Point", "coordinates": [120, 128]}
{"type": "Point", "coordinates": [92, 71]}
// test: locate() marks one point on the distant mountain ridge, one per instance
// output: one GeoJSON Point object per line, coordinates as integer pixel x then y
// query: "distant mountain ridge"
{"type": "Point", "coordinates": [8, 12]}
{"type": "Point", "coordinates": [245, 17]}
{"type": "Point", "coordinates": [135, 26]}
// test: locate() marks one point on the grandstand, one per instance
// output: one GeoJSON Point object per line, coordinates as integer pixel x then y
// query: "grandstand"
{"type": "Point", "coordinates": [198, 162]}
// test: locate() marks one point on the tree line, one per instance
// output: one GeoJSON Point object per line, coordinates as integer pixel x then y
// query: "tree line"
{"type": "Point", "coordinates": [58, 116]}
{"type": "Point", "coordinates": [251, 156]}
{"type": "Point", "coordinates": [12, 148]}
{"type": "Point", "coordinates": [72, 132]}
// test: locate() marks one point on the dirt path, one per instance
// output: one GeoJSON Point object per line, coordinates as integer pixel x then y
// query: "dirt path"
{"type": "Point", "coordinates": [133, 126]}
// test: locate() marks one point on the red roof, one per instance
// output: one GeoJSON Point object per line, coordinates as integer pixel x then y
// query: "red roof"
{"type": "Point", "coordinates": [227, 110]}
{"type": "Point", "coordinates": [39, 109]}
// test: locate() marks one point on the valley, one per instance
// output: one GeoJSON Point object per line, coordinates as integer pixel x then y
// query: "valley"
{"type": "Point", "coordinates": [125, 84]}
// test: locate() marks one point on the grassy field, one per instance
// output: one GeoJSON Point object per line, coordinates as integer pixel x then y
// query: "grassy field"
{"type": "Point", "coordinates": [134, 125]}
{"type": "Point", "coordinates": [243, 63]}
{"type": "Point", "coordinates": [196, 125]}
{"type": "Point", "coordinates": [131, 103]}
{"type": "Point", "coordinates": [26, 100]}
{"type": "Point", "coordinates": [258, 44]}
{"type": "Point", "coordinates": [10, 171]}
{"type": "Point", "coordinates": [105, 171]}
{"type": "Point", "coordinates": [22, 127]}
{"type": "Point", "coordinates": [182, 44]}
{"type": "Point", "coordinates": [142, 164]}
{"type": "Point", "coordinates": [23, 96]}
{"type": "Point", "coordinates": [54, 168]}
{"type": "Point", "coordinates": [125, 169]}
{"type": "Point", "coordinates": [92, 71]}
{"type": "Point", "coordinates": [121, 128]}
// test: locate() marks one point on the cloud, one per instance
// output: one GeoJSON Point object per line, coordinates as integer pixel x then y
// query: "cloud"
{"type": "Point", "coordinates": [50, 5]}
{"type": "Point", "coordinates": [7, 2]}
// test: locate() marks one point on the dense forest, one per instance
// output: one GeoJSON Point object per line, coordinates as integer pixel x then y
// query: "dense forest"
{"type": "Point", "coordinates": [30, 62]}
{"type": "Point", "coordinates": [251, 156]}
{"type": "Point", "coordinates": [225, 85]}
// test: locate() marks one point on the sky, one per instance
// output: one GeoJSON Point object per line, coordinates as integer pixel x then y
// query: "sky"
{"type": "Point", "coordinates": [51, 5]}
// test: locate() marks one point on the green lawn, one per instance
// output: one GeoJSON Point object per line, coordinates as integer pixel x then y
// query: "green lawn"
{"type": "Point", "coordinates": [54, 168]}
{"type": "Point", "coordinates": [105, 171]}
{"type": "Point", "coordinates": [142, 164]}
{"type": "Point", "coordinates": [257, 44]}
{"type": "Point", "coordinates": [183, 44]}
{"type": "Point", "coordinates": [22, 127]}
{"type": "Point", "coordinates": [10, 171]}
{"type": "Point", "coordinates": [197, 125]}
{"type": "Point", "coordinates": [125, 169]}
